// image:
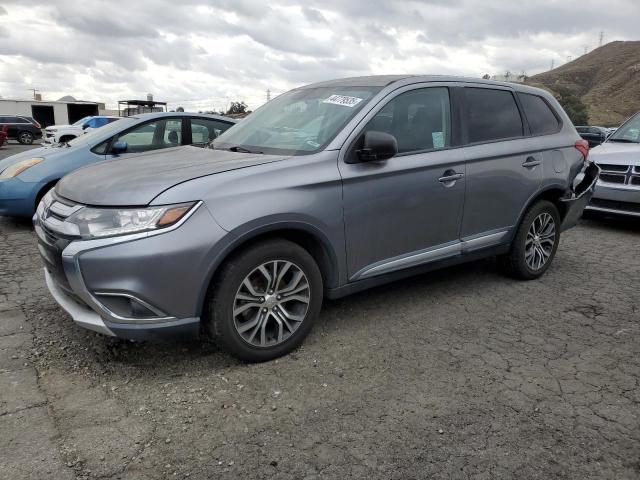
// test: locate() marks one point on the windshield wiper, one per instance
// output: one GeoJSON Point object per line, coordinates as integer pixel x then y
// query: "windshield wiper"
{"type": "Point", "coordinates": [238, 148]}
{"type": "Point", "coordinates": [622, 140]}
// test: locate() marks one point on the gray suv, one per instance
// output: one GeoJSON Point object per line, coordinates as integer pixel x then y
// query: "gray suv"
{"type": "Point", "coordinates": [324, 191]}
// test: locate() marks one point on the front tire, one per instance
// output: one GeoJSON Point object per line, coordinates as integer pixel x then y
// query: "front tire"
{"type": "Point", "coordinates": [25, 138]}
{"type": "Point", "coordinates": [66, 138]}
{"type": "Point", "coordinates": [535, 243]}
{"type": "Point", "coordinates": [264, 301]}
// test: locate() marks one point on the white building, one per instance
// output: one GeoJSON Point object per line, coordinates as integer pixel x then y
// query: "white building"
{"type": "Point", "coordinates": [64, 111]}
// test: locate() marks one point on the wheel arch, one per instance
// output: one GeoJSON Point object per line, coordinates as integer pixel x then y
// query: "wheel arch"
{"type": "Point", "coordinates": [552, 193]}
{"type": "Point", "coordinates": [309, 237]}
{"type": "Point", "coordinates": [20, 132]}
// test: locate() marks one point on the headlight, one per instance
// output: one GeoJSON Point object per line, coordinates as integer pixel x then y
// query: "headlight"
{"type": "Point", "coordinates": [17, 168]}
{"type": "Point", "coordinates": [107, 222]}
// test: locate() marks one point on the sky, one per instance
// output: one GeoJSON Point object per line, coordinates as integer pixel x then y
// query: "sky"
{"type": "Point", "coordinates": [202, 55]}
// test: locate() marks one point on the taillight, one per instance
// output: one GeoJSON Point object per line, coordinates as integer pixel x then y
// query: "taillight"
{"type": "Point", "coordinates": [583, 147]}
{"type": "Point", "coordinates": [36, 124]}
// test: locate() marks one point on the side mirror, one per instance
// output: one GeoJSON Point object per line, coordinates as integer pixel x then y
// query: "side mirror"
{"type": "Point", "coordinates": [85, 126]}
{"type": "Point", "coordinates": [119, 147]}
{"type": "Point", "coordinates": [377, 146]}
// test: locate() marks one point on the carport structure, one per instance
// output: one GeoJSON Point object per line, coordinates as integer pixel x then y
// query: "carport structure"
{"type": "Point", "coordinates": [133, 107]}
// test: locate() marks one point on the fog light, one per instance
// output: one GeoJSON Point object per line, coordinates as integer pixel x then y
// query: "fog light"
{"type": "Point", "coordinates": [127, 306]}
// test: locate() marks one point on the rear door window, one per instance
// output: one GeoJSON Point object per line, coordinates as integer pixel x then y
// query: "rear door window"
{"type": "Point", "coordinates": [204, 130]}
{"type": "Point", "coordinates": [491, 115]}
{"type": "Point", "coordinates": [541, 118]}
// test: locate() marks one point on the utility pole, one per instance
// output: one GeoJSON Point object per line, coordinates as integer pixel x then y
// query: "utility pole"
{"type": "Point", "coordinates": [569, 57]}
{"type": "Point", "coordinates": [34, 90]}
{"type": "Point", "coordinates": [553, 63]}
{"type": "Point", "coordinates": [268, 95]}
{"type": "Point", "coordinates": [586, 47]}
{"type": "Point", "coordinates": [601, 38]}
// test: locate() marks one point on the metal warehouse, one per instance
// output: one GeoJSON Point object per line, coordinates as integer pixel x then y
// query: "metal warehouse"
{"type": "Point", "coordinates": [67, 110]}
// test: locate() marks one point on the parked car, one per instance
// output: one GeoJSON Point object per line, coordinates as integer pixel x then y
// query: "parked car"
{"type": "Point", "coordinates": [4, 133]}
{"type": "Point", "coordinates": [326, 190]}
{"type": "Point", "coordinates": [594, 135]}
{"type": "Point", "coordinates": [23, 129]}
{"type": "Point", "coordinates": [610, 131]}
{"type": "Point", "coordinates": [66, 133]}
{"type": "Point", "coordinates": [618, 190]}
{"type": "Point", "coordinates": [27, 176]}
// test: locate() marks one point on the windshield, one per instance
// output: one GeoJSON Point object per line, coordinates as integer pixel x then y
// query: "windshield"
{"type": "Point", "coordinates": [104, 132]}
{"type": "Point", "coordinates": [298, 122]}
{"type": "Point", "coordinates": [81, 121]}
{"type": "Point", "coordinates": [629, 132]}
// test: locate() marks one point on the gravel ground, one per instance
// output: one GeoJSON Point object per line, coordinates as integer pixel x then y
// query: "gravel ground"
{"type": "Point", "coordinates": [461, 373]}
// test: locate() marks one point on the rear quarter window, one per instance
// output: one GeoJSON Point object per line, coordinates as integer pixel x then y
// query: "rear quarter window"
{"type": "Point", "coordinates": [541, 118]}
{"type": "Point", "coordinates": [491, 115]}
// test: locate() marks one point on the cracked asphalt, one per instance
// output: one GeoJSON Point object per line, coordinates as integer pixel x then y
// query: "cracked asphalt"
{"type": "Point", "coordinates": [461, 373]}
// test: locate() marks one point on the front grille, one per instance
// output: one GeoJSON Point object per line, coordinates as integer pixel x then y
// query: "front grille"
{"type": "Point", "coordinates": [615, 205]}
{"type": "Point", "coordinates": [52, 238]}
{"type": "Point", "coordinates": [620, 174]}
{"type": "Point", "coordinates": [606, 167]}
{"type": "Point", "coordinates": [612, 178]}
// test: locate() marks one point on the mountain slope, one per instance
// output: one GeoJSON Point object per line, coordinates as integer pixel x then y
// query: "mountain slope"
{"type": "Point", "coordinates": [606, 79]}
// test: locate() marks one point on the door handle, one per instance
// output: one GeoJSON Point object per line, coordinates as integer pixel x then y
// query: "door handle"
{"type": "Point", "coordinates": [531, 162]}
{"type": "Point", "coordinates": [450, 176]}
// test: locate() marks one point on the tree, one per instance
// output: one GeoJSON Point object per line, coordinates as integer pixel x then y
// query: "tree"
{"type": "Point", "coordinates": [486, 76]}
{"type": "Point", "coordinates": [237, 108]}
{"type": "Point", "coordinates": [575, 108]}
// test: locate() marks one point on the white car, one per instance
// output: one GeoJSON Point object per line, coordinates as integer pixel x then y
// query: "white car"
{"type": "Point", "coordinates": [66, 133]}
{"type": "Point", "coordinates": [618, 188]}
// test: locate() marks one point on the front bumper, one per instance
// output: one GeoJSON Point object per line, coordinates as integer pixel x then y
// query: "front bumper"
{"type": "Point", "coordinates": [80, 312]}
{"type": "Point", "coordinates": [616, 199]}
{"type": "Point", "coordinates": [160, 272]}
{"type": "Point", "coordinates": [17, 198]}
{"type": "Point", "coordinates": [85, 317]}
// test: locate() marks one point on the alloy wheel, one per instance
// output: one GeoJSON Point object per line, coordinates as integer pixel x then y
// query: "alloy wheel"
{"type": "Point", "coordinates": [25, 138]}
{"type": "Point", "coordinates": [271, 303]}
{"type": "Point", "coordinates": [540, 241]}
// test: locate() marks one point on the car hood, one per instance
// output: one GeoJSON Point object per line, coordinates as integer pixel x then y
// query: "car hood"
{"type": "Point", "coordinates": [137, 181]}
{"type": "Point", "coordinates": [616, 153]}
{"type": "Point", "coordinates": [42, 152]}
{"type": "Point", "coordinates": [56, 127]}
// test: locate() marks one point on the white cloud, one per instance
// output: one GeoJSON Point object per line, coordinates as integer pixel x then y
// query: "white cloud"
{"type": "Point", "coordinates": [204, 54]}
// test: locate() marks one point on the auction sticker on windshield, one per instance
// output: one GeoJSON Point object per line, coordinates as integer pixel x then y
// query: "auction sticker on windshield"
{"type": "Point", "coordinates": [343, 100]}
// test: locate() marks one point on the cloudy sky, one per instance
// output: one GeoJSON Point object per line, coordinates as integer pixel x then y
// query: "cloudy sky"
{"type": "Point", "coordinates": [203, 54]}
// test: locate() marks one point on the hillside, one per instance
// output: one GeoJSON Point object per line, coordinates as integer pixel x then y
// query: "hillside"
{"type": "Point", "coordinates": [606, 79]}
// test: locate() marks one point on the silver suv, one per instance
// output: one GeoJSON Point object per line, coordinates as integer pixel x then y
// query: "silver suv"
{"type": "Point", "coordinates": [326, 190]}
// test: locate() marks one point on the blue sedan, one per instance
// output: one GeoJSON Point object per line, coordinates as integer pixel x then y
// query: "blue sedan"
{"type": "Point", "coordinates": [27, 176]}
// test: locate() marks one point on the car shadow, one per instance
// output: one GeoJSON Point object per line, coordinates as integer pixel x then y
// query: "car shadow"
{"type": "Point", "coordinates": [612, 222]}
{"type": "Point", "coordinates": [180, 357]}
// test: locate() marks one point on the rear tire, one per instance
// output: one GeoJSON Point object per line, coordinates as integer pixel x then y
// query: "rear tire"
{"type": "Point", "coordinates": [25, 138]}
{"type": "Point", "coordinates": [535, 243]}
{"type": "Point", "coordinates": [264, 301]}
